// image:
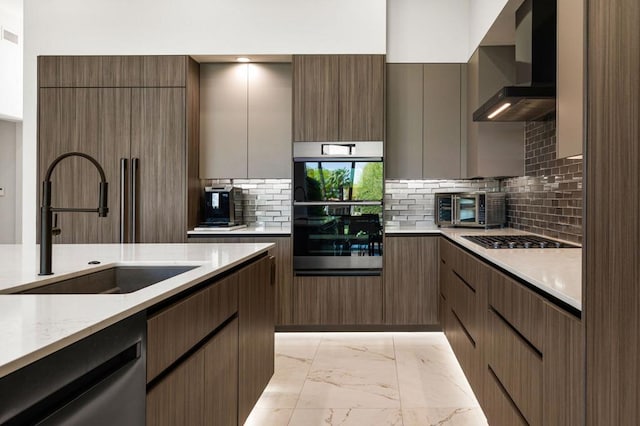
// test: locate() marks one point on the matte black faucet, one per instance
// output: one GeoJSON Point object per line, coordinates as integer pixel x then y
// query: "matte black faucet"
{"type": "Point", "coordinates": [46, 211]}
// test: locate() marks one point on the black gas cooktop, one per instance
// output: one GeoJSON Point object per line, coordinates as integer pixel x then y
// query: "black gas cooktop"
{"type": "Point", "coordinates": [516, 242]}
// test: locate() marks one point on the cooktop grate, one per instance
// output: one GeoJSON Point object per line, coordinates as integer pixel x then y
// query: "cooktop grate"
{"type": "Point", "coordinates": [516, 242]}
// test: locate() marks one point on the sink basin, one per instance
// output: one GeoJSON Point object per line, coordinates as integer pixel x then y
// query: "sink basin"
{"type": "Point", "coordinates": [116, 280]}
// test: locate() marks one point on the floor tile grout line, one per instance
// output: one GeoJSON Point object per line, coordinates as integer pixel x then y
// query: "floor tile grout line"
{"type": "Point", "coordinates": [315, 354]}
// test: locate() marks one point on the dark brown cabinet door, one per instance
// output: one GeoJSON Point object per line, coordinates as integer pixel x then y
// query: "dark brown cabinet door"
{"type": "Point", "coordinates": [178, 399]}
{"type": "Point", "coordinates": [158, 142]}
{"type": "Point", "coordinates": [221, 377]}
{"type": "Point", "coordinates": [96, 122]}
{"type": "Point", "coordinates": [256, 334]}
{"type": "Point", "coordinates": [315, 98]}
{"type": "Point", "coordinates": [361, 107]}
{"type": "Point", "coordinates": [411, 280]}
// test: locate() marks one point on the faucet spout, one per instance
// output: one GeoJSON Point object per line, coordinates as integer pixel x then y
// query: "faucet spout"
{"type": "Point", "coordinates": [46, 210]}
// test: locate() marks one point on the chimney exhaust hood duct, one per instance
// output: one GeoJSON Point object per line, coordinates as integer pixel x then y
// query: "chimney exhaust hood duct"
{"type": "Point", "coordinates": [534, 95]}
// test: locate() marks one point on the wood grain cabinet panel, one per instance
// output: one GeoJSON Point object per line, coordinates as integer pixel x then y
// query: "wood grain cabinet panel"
{"type": "Point", "coordinates": [361, 98]}
{"type": "Point", "coordinates": [96, 122]}
{"type": "Point", "coordinates": [411, 280]}
{"type": "Point", "coordinates": [178, 399]}
{"type": "Point", "coordinates": [176, 329]}
{"type": "Point", "coordinates": [498, 406]}
{"type": "Point", "coordinates": [94, 104]}
{"type": "Point", "coordinates": [158, 141]}
{"type": "Point", "coordinates": [517, 365]}
{"type": "Point", "coordinates": [316, 89]}
{"type": "Point", "coordinates": [563, 384]}
{"type": "Point", "coordinates": [330, 300]}
{"type": "Point", "coordinates": [284, 270]}
{"type": "Point", "coordinates": [338, 98]}
{"type": "Point", "coordinates": [256, 333]}
{"type": "Point", "coordinates": [221, 377]}
{"type": "Point", "coordinates": [522, 308]}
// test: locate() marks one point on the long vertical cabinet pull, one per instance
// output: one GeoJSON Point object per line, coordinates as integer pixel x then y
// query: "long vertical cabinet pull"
{"type": "Point", "coordinates": [123, 191]}
{"type": "Point", "coordinates": [134, 198]}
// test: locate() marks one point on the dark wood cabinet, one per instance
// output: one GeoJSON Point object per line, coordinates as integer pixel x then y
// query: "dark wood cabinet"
{"type": "Point", "coordinates": [338, 98]}
{"type": "Point", "coordinates": [221, 377]}
{"type": "Point", "coordinates": [564, 362]}
{"type": "Point", "coordinates": [521, 353]}
{"type": "Point", "coordinates": [118, 109]}
{"type": "Point", "coordinates": [337, 300]}
{"type": "Point", "coordinates": [210, 354]}
{"type": "Point", "coordinates": [284, 269]}
{"type": "Point", "coordinates": [256, 331]}
{"type": "Point", "coordinates": [96, 122]}
{"type": "Point", "coordinates": [411, 285]}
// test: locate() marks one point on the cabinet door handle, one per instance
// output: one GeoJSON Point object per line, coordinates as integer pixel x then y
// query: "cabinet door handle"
{"type": "Point", "coordinates": [123, 190]}
{"type": "Point", "coordinates": [273, 270]}
{"type": "Point", "coordinates": [135, 162]}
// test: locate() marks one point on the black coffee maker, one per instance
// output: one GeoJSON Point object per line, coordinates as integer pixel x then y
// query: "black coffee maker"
{"type": "Point", "coordinates": [222, 206]}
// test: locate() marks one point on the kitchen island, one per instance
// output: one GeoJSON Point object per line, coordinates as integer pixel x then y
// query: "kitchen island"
{"type": "Point", "coordinates": [33, 326]}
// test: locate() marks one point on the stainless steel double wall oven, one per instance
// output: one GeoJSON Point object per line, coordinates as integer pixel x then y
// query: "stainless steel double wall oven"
{"type": "Point", "coordinates": [337, 208]}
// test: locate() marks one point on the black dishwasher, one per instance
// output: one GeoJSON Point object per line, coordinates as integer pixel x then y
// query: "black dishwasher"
{"type": "Point", "coordinates": [99, 380]}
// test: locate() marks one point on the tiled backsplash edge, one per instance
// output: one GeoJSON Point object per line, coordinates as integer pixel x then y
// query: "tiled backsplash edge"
{"type": "Point", "coordinates": [265, 202]}
{"type": "Point", "coordinates": [548, 200]}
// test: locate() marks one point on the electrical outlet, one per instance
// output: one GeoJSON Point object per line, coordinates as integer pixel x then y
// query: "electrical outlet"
{"type": "Point", "coordinates": [1, 191]}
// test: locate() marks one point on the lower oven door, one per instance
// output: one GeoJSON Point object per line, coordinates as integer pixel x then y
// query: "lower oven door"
{"type": "Point", "coordinates": [337, 237]}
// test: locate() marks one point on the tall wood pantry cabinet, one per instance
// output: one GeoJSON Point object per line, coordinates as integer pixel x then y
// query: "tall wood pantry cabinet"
{"type": "Point", "coordinates": [138, 117]}
{"type": "Point", "coordinates": [338, 98]}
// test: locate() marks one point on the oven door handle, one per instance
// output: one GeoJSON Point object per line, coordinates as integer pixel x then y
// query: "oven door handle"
{"type": "Point", "coordinates": [454, 209]}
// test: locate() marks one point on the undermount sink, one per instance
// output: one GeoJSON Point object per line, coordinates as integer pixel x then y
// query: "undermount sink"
{"type": "Point", "coordinates": [116, 280]}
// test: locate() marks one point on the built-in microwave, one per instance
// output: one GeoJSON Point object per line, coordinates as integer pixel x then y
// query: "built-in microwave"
{"type": "Point", "coordinates": [471, 209]}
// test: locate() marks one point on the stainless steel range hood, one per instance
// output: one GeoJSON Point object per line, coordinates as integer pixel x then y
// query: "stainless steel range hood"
{"type": "Point", "coordinates": [533, 96]}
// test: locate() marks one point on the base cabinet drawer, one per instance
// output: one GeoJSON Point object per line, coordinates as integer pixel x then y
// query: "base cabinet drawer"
{"type": "Point", "coordinates": [172, 331]}
{"type": "Point", "coordinates": [498, 407]}
{"type": "Point", "coordinates": [517, 365]}
{"type": "Point", "coordinates": [329, 300]}
{"type": "Point", "coordinates": [467, 352]}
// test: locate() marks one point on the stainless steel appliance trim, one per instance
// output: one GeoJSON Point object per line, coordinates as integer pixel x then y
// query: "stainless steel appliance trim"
{"type": "Point", "coordinates": [359, 149]}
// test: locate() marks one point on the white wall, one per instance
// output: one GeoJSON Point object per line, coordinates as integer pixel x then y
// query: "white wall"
{"type": "Point", "coordinates": [11, 61]}
{"type": "Point", "coordinates": [123, 27]}
{"type": "Point", "coordinates": [8, 178]}
{"type": "Point", "coordinates": [428, 31]}
{"type": "Point", "coordinates": [482, 14]}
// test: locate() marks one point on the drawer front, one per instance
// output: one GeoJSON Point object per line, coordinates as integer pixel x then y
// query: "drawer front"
{"type": "Point", "coordinates": [464, 302]}
{"type": "Point", "coordinates": [517, 366]}
{"type": "Point", "coordinates": [498, 407]}
{"type": "Point", "coordinates": [329, 300]}
{"type": "Point", "coordinates": [522, 308]}
{"type": "Point", "coordinates": [176, 329]}
{"type": "Point", "coordinates": [465, 350]}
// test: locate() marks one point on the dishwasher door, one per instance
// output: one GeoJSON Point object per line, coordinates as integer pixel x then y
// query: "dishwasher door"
{"type": "Point", "coordinates": [100, 380]}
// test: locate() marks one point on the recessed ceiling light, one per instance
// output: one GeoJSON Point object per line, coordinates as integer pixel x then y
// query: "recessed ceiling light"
{"type": "Point", "coordinates": [243, 59]}
{"type": "Point", "coordinates": [498, 111]}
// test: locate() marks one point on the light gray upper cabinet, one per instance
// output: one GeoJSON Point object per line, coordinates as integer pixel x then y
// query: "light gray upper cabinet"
{"type": "Point", "coordinates": [443, 121]}
{"type": "Point", "coordinates": [493, 148]}
{"type": "Point", "coordinates": [403, 153]}
{"type": "Point", "coordinates": [425, 121]}
{"type": "Point", "coordinates": [269, 149]}
{"type": "Point", "coordinates": [570, 84]}
{"type": "Point", "coordinates": [245, 120]}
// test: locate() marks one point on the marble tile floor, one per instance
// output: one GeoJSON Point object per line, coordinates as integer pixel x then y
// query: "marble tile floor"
{"type": "Point", "coordinates": [366, 379]}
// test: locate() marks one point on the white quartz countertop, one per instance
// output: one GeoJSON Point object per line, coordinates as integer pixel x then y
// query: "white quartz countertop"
{"type": "Point", "coordinates": [246, 232]}
{"type": "Point", "coordinates": [33, 326]}
{"type": "Point", "coordinates": [557, 272]}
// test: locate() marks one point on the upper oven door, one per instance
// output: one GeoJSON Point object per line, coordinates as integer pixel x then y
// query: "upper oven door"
{"type": "Point", "coordinates": [467, 209]}
{"type": "Point", "coordinates": [337, 172]}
